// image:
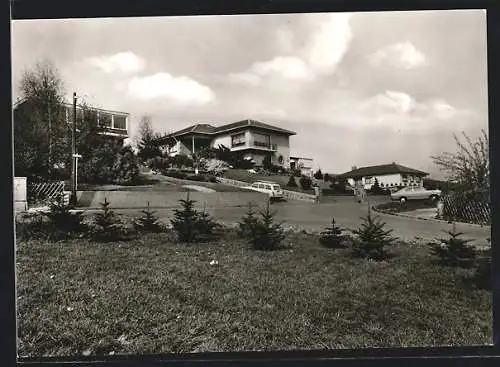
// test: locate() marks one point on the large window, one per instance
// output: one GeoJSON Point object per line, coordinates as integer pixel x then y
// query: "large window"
{"type": "Point", "coordinates": [262, 140]}
{"type": "Point", "coordinates": [238, 140]}
{"type": "Point", "coordinates": [120, 122]}
{"type": "Point", "coordinates": [104, 119]}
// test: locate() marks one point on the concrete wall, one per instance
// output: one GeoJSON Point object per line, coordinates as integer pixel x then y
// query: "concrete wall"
{"type": "Point", "coordinates": [283, 143]}
{"type": "Point", "coordinates": [136, 199]}
{"type": "Point", "coordinates": [20, 194]}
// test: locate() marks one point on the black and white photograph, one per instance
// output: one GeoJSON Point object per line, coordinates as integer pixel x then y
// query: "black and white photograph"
{"type": "Point", "coordinates": [263, 182]}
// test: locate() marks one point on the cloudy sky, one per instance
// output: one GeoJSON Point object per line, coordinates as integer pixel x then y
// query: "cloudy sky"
{"type": "Point", "coordinates": [359, 88]}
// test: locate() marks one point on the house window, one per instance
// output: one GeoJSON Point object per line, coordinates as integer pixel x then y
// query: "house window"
{"type": "Point", "coordinates": [120, 122]}
{"type": "Point", "coordinates": [238, 140]}
{"type": "Point", "coordinates": [104, 119]}
{"type": "Point", "coordinates": [261, 140]}
{"type": "Point", "coordinates": [368, 180]}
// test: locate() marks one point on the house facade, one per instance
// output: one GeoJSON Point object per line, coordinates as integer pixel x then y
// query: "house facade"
{"type": "Point", "coordinates": [115, 123]}
{"type": "Point", "coordinates": [388, 176]}
{"type": "Point", "coordinates": [305, 165]}
{"type": "Point", "coordinates": [254, 139]}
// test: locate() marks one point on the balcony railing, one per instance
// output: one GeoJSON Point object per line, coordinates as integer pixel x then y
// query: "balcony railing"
{"type": "Point", "coordinates": [255, 144]}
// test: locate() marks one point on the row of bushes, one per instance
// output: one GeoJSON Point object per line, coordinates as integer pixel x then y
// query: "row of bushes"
{"type": "Point", "coordinates": [259, 227]}
{"type": "Point", "coordinates": [190, 176]}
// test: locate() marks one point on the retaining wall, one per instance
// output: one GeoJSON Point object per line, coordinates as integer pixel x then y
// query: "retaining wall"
{"type": "Point", "coordinates": [291, 195]}
{"type": "Point", "coordinates": [137, 199]}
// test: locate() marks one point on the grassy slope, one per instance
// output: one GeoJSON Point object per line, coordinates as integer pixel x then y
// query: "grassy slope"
{"type": "Point", "coordinates": [152, 295]}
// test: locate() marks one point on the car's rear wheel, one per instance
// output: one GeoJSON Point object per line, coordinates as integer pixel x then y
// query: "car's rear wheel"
{"type": "Point", "coordinates": [402, 200]}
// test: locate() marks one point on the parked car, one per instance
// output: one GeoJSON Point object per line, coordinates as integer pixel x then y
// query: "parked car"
{"type": "Point", "coordinates": [267, 187]}
{"type": "Point", "coordinates": [415, 193]}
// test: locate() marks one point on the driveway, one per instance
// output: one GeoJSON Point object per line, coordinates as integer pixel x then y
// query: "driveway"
{"type": "Point", "coordinates": [347, 213]}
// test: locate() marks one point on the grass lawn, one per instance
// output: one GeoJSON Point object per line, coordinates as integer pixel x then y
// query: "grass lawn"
{"type": "Point", "coordinates": [152, 295]}
{"type": "Point", "coordinates": [282, 180]}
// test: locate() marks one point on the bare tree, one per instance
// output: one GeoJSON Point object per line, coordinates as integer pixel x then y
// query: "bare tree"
{"type": "Point", "coordinates": [147, 140]}
{"type": "Point", "coordinates": [470, 164]}
{"type": "Point", "coordinates": [40, 131]}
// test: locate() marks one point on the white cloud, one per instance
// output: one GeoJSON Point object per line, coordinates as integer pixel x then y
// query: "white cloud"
{"type": "Point", "coordinates": [399, 111]}
{"type": "Point", "coordinates": [182, 90]}
{"type": "Point", "coordinates": [246, 78]}
{"type": "Point", "coordinates": [402, 55]}
{"type": "Point", "coordinates": [125, 62]}
{"type": "Point", "coordinates": [329, 43]}
{"type": "Point", "coordinates": [321, 55]}
{"type": "Point", "coordinates": [287, 67]}
{"type": "Point", "coordinates": [390, 102]}
{"type": "Point", "coordinates": [280, 67]}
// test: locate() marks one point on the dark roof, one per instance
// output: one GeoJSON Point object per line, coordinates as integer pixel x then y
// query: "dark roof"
{"type": "Point", "coordinates": [21, 101]}
{"type": "Point", "coordinates": [253, 123]}
{"type": "Point", "coordinates": [383, 169]}
{"type": "Point", "coordinates": [214, 130]}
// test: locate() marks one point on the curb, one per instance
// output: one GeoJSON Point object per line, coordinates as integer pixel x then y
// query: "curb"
{"type": "Point", "coordinates": [429, 219]}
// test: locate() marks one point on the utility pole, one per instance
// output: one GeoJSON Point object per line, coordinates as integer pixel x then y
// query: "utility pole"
{"type": "Point", "coordinates": [50, 138]}
{"type": "Point", "coordinates": [73, 155]}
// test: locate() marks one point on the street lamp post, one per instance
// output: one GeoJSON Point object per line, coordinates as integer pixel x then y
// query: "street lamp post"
{"type": "Point", "coordinates": [73, 155]}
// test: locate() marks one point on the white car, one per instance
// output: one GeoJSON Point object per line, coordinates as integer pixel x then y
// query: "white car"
{"type": "Point", "coordinates": [415, 193]}
{"type": "Point", "coordinates": [267, 187]}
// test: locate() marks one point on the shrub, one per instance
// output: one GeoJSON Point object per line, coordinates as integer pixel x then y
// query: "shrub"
{"type": "Point", "coordinates": [125, 170]}
{"type": "Point", "coordinates": [264, 233]}
{"type": "Point", "coordinates": [200, 178]}
{"type": "Point", "coordinates": [33, 226]}
{"type": "Point", "coordinates": [148, 222]}
{"type": "Point", "coordinates": [212, 178]}
{"type": "Point", "coordinates": [482, 275]}
{"type": "Point", "coordinates": [107, 226]}
{"type": "Point", "coordinates": [63, 222]}
{"type": "Point", "coordinates": [318, 175]}
{"type": "Point", "coordinates": [377, 190]}
{"type": "Point", "coordinates": [326, 177]}
{"type": "Point", "coordinates": [247, 224]}
{"type": "Point", "coordinates": [175, 174]}
{"type": "Point", "coordinates": [305, 183]}
{"type": "Point", "coordinates": [296, 172]}
{"type": "Point", "coordinates": [454, 251]}
{"type": "Point", "coordinates": [158, 164]}
{"type": "Point", "coordinates": [191, 225]}
{"type": "Point", "coordinates": [332, 237]}
{"type": "Point", "coordinates": [291, 182]}
{"type": "Point", "coordinates": [372, 239]}
{"type": "Point", "coordinates": [206, 226]}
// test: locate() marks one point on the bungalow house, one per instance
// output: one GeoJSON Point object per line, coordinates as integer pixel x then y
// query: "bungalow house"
{"type": "Point", "coordinates": [115, 123]}
{"type": "Point", "coordinates": [387, 175]}
{"type": "Point", "coordinates": [254, 138]}
{"type": "Point", "coordinates": [305, 165]}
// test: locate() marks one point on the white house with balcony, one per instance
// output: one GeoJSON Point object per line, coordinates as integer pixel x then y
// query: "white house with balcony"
{"type": "Point", "coordinates": [305, 165]}
{"type": "Point", "coordinates": [254, 138]}
{"type": "Point", "coordinates": [388, 176]}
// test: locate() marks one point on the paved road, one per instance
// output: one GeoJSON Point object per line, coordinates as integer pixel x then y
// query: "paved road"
{"type": "Point", "coordinates": [347, 214]}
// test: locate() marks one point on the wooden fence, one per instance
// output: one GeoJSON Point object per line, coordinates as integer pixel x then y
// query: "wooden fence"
{"type": "Point", "coordinates": [468, 207]}
{"type": "Point", "coordinates": [41, 192]}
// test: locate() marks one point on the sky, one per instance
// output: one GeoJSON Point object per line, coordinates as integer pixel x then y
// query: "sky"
{"type": "Point", "coordinates": [359, 89]}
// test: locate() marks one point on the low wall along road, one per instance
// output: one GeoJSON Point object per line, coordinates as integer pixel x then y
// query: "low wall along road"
{"type": "Point", "coordinates": [136, 199]}
{"type": "Point", "coordinates": [288, 194]}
